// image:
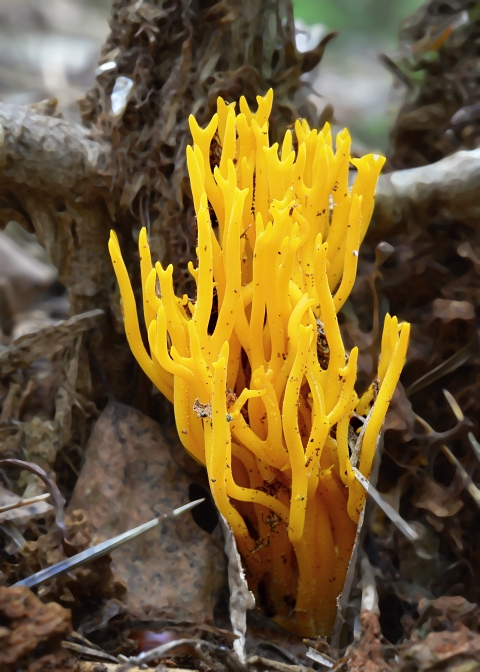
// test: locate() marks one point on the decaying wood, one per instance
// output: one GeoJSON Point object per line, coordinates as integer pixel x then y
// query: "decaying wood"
{"type": "Point", "coordinates": [52, 183]}
{"type": "Point", "coordinates": [442, 191]}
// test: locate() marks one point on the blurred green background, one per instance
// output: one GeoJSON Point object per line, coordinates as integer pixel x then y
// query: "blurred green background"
{"type": "Point", "coordinates": [350, 76]}
{"type": "Point", "coordinates": [370, 17]}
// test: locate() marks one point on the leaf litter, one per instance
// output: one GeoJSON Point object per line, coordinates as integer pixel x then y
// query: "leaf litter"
{"type": "Point", "coordinates": [117, 467]}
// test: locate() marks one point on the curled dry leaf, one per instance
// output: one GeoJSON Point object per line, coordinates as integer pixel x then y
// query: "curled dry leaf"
{"type": "Point", "coordinates": [45, 391]}
{"type": "Point", "coordinates": [458, 650]}
{"type": "Point", "coordinates": [441, 501]}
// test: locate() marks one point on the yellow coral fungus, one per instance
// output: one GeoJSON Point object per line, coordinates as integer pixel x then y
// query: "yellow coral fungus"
{"type": "Point", "coordinates": [261, 350]}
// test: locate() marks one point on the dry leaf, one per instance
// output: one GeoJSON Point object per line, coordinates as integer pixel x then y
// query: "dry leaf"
{"type": "Point", "coordinates": [128, 478]}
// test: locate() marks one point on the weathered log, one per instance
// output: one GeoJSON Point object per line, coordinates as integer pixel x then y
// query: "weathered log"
{"type": "Point", "coordinates": [443, 191]}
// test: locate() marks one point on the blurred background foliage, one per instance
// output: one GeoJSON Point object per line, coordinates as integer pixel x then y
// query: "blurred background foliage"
{"type": "Point", "coordinates": [351, 77]}
{"type": "Point", "coordinates": [373, 18]}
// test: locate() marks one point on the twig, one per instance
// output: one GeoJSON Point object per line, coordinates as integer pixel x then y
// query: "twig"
{"type": "Point", "coordinates": [451, 364]}
{"type": "Point", "coordinates": [387, 509]}
{"type": "Point", "coordinates": [53, 490]}
{"type": "Point", "coordinates": [320, 658]}
{"type": "Point", "coordinates": [100, 549]}
{"type": "Point", "coordinates": [24, 502]}
{"type": "Point", "coordinates": [469, 485]}
{"type": "Point", "coordinates": [91, 653]}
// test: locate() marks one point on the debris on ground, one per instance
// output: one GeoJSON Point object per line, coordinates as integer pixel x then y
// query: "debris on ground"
{"type": "Point", "coordinates": [31, 633]}
{"type": "Point", "coordinates": [74, 404]}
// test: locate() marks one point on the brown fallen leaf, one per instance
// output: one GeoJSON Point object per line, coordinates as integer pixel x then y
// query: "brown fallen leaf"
{"type": "Point", "coordinates": [129, 477]}
{"type": "Point", "coordinates": [441, 501]}
{"type": "Point", "coordinates": [458, 650]}
{"type": "Point", "coordinates": [446, 612]}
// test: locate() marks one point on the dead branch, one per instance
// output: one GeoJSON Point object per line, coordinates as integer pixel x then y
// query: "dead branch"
{"type": "Point", "coordinates": [42, 152]}
{"type": "Point", "coordinates": [52, 182]}
{"type": "Point", "coordinates": [443, 191]}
